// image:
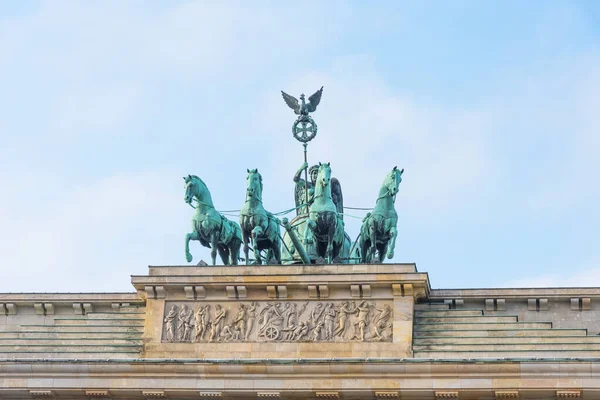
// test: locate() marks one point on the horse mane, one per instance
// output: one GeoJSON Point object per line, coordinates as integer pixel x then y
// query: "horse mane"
{"type": "Point", "coordinates": [197, 178]}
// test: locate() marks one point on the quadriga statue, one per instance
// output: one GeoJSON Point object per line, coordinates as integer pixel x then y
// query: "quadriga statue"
{"type": "Point", "coordinates": [259, 226]}
{"type": "Point", "coordinates": [378, 231]}
{"type": "Point", "coordinates": [210, 227]}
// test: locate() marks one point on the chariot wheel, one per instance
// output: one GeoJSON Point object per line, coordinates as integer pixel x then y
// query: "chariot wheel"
{"type": "Point", "coordinates": [272, 333]}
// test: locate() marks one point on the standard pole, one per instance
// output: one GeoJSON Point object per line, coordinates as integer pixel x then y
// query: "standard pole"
{"type": "Point", "coordinates": [305, 177]}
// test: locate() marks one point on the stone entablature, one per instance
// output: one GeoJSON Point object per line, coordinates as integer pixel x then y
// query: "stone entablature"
{"type": "Point", "coordinates": [280, 311]}
{"type": "Point", "coordinates": [356, 378]}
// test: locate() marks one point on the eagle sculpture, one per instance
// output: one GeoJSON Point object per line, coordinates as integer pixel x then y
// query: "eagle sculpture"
{"type": "Point", "coordinates": [304, 108]}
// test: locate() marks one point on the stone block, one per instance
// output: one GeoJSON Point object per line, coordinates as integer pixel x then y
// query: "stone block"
{"type": "Point", "coordinates": [366, 290]}
{"type": "Point", "coordinates": [532, 304]}
{"type": "Point", "coordinates": [78, 308]}
{"type": "Point", "coordinates": [355, 290]}
{"type": "Point", "coordinates": [154, 394]}
{"type": "Point", "coordinates": [568, 394]}
{"type": "Point", "coordinates": [454, 303]}
{"type": "Point", "coordinates": [88, 308]}
{"type": "Point", "coordinates": [282, 292]}
{"type": "Point", "coordinates": [200, 292]}
{"type": "Point", "coordinates": [97, 394]}
{"type": "Point", "coordinates": [189, 292]}
{"type": "Point", "coordinates": [507, 394]}
{"type": "Point", "coordinates": [241, 292]}
{"type": "Point", "coordinates": [268, 395]}
{"type": "Point", "coordinates": [272, 292]}
{"type": "Point", "coordinates": [489, 305]}
{"type": "Point", "coordinates": [323, 291]}
{"type": "Point", "coordinates": [386, 395]}
{"type": "Point", "coordinates": [230, 290]}
{"type": "Point", "coordinates": [327, 395]}
{"type": "Point", "coordinates": [11, 308]}
{"type": "Point", "coordinates": [586, 304]}
{"type": "Point", "coordinates": [161, 293]}
{"type": "Point", "coordinates": [49, 307]}
{"type": "Point", "coordinates": [446, 395]}
{"type": "Point", "coordinates": [396, 289]}
{"type": "Point", "coordinates": [543, 304]}
{"type": "Point", "coordinates": [150, 294]}
{"type": "Point", "coordinates": [500, 304]}
{"type": "Point", "coordinates": [41, 394]}
{"type": "Point", "coordinates": [312, 291]}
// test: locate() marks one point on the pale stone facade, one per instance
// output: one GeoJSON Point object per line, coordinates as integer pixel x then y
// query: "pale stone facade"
{"type": "Point", "coordinates": [300, 332]}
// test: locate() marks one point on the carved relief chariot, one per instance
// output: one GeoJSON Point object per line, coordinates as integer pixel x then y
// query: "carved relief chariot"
{"type": "Point", "coordinates": [290, 321]}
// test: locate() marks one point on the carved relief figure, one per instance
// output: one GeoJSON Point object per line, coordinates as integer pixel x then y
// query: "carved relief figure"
{"type": "Point", "coordinates": [329, 320]}
{"type": "Point", "coordinates": [184, 324]}
{"type": "Point", "coordinates": [363, 310]}
{"type": "Point", "coordinates": [381, 321]}
{"type": "Point", "coordinates": [317, 313]}
{"type": "Point", "coordinates": [251, 314]}
{"type": "Point", "coordinates": [218, 322]}
{"type": "Point", "coordinates": [170, 323]}
{"type": "Point", "coordinates": [317, 331]}
{"type": "Point", "coordinates": [240, 320]}
{"type": "Point", "coordinates": [202, 322]}
{"type": "Point", "coordinates": [301, 331]}
{"type": "Point", "coordinates": [344, 311]}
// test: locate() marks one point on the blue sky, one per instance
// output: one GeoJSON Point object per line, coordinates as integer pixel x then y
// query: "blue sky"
{"type": "Point", "coordinates": [491, 107]}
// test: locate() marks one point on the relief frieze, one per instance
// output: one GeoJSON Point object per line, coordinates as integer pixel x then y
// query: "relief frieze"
{"type": "Point", "coordinates": [278, 321]}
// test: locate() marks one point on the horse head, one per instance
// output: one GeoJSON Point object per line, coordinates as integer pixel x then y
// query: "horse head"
{"type": "Point", "coordinates": [324, 175]}
{"type": "Point", "coordinates": [196, 189]}
{"type": "Point", "coordinates": [255, 185]}
{"type": "Point", "coordinates": [392, 181]}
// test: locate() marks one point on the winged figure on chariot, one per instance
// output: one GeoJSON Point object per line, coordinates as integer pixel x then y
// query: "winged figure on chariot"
{"type": "Point", "coordinates": [301, 185]}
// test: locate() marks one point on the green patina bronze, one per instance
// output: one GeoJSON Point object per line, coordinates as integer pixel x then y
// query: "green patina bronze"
{"type": "Point", "coordinates": [324, 223]}
{"type": "Point", "coordinates": [258, 225]}
{"type": "Point", "coordinates": [378, 231]}
{"type": "Point", "coordinates": [211, 228]}
{"type": "Point", "coordinates": [316, 234]}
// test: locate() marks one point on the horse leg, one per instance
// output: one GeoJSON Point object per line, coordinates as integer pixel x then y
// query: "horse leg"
{"type": "Point", "coordinates": [224, 254]}
{"type": "Point", "coordinates": [188, 237]}
{"type": "Point", "coordinates": [392, 242]}
{"type": "Point", "coordinates": [309, 229]}
{"type": "Point", "coordinates": [363, 245]}
{"type": "Point", "coordinates": [214, 244]}
{"type": "Point", "coordinates": [330, 235]}
{"type": "Point", "coordinates": [276, 247]}
{"type": "Point", "coordinates": [234, 250]}
{"type": "Point", "coordinates": [381, 249]}
{"type": "Point", "coordinates": [373, 232]}
{"type": "Point", "coordinates": [257, 257]}
{"type": "Point", "coordinates": [245, 239]}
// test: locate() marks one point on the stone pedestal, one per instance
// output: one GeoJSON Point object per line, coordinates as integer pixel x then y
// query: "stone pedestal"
{"type": "Point", "coordinates": [267, 312]}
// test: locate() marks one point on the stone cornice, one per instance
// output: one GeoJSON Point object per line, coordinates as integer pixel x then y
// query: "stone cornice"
{"type": "Point", "coordinates": [30, 298]}
{"type": "Point", "coordinates": [171, 279]}
{"type": "Point", "coordinates": [518, 293]}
